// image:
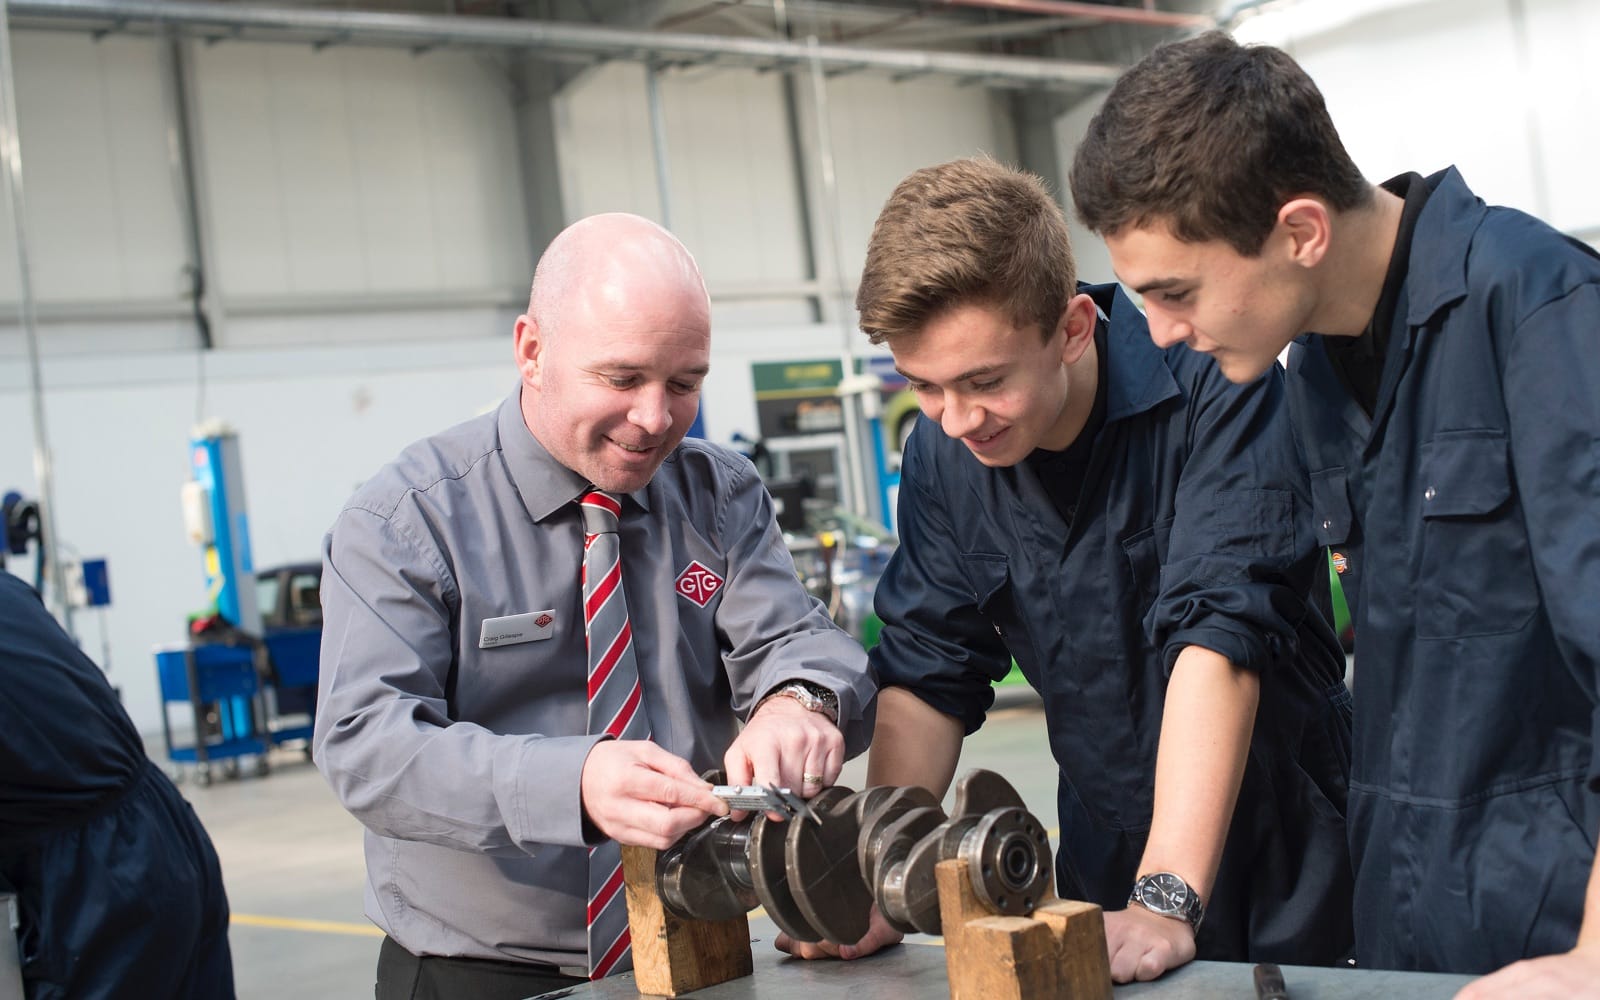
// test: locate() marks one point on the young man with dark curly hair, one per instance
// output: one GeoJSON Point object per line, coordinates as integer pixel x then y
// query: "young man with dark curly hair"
{"type": "Point", "coordinates": [1445, 389]}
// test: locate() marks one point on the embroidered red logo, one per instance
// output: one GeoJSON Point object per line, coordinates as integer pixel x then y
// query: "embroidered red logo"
{"type": "Point", "coordinates": [698, 584]}
{"type": "Point", "coordinates": [543, 620]}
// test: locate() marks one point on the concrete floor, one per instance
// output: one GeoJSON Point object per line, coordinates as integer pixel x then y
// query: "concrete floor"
{"type": "Point", "coordinates": [291, 858]}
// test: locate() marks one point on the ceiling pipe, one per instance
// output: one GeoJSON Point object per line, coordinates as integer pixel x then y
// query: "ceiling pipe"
{"type": "Point", "coordinates": [413, 30]}
{"type": "Point", "coordinates": [1096, 11]}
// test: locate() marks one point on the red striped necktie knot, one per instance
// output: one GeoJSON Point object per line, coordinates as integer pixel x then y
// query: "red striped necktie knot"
{"type": "Point", "coordinates": [602, 512]}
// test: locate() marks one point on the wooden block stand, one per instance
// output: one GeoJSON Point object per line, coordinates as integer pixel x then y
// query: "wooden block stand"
{"type": "Point", "coordinates": [672, 955]}
{"type": "Point", "coordinates": [1059, 952]}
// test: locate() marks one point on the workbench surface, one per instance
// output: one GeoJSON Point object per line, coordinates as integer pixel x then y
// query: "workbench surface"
{"type": "Point", "coordinates": [915, 971]}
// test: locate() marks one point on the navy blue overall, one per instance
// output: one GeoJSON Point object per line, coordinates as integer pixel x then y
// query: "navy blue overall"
{"type": "Point", "coordinates": [1467, 510]}
{"type": "Point", "coordinates": [120, 890]}
{"type": "Point", "coordinates": [1193, 528]}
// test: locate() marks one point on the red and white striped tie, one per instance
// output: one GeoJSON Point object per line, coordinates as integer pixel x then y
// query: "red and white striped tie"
{"type": "Point", "coordinates": [615, 708]}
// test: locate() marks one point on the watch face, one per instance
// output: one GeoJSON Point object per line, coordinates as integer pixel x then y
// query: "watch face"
{"type": "Point", "coordinates": [1163, 892]}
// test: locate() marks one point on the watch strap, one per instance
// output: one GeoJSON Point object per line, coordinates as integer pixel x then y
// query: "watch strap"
{"type": "Point", "coordinates": [1192, 909]}
{"type": "Point", "coordinates": [814, 697]}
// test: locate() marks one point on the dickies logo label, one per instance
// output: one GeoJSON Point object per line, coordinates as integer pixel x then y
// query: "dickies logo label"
{"type": "Point", "coordinates": [698, 584]}
{"type": "Point", "coordinates": [543, 620]}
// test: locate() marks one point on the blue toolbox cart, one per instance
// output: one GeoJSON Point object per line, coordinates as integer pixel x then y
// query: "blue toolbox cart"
{"type": "Point", "coordinates": [221, 688]}
{"type": "Point", "coordinates": [293, 705]}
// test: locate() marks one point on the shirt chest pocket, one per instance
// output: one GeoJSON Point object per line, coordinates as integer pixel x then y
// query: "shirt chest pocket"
{"type": "Point", "coordinates": [1475, 573]}
{"type": "Point", "coordinates": [1146, 552]}
{"type": "Point", "coordinates": [996, 597]}
{"type": "Point", "coordinates": [990, 576]}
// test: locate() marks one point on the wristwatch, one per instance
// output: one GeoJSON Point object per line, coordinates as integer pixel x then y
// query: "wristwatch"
{"type": "Point", "coordinates": [1168, 895]}
{"type": "Point", "coordinates": [814, 697]}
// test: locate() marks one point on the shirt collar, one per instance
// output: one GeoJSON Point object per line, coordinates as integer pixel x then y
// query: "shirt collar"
{"type": "Point", "coordinates": [1137, 376]}
{"type": "Point", "coordinates": [1414, 193]}
{"type": "Point", "coordinates": [1443, 235]}
{"type": "Point", "coordinates": [546, 485]}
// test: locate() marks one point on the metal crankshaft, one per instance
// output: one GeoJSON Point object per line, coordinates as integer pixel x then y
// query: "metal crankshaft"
{"type": "Point", "coordinates": [818, 877]}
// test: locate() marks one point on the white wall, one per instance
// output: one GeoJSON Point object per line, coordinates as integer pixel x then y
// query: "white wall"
{"type": "Point", "coordinates": [882, 130]}
{"type": "Point", "coordinates": [1423, 84]}
{"type": "Point", "coordinates": [336, 182]}
{"type": "Point", "coordinates": [367, 221]}
{"type": "Point", "coordinates": [734, 193]}
{"type": "Point", "coordinates": [1088, 250]}
{"type": "Point", "coordinates": [731, 167]}
{"type": "Point", "coordinates": [358, 171]}
{"type": "Point", "coordinates": [102, 206]}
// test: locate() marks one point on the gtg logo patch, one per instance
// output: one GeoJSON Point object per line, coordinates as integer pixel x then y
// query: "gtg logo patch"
{"type": "Point", "coordinates": [698, 584]}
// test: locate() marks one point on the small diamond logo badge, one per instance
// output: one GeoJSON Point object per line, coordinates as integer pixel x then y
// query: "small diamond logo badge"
{"type": "Point", "coordinates": [698, 584]}
{"type": "Point", "coordinates": [543, 620]}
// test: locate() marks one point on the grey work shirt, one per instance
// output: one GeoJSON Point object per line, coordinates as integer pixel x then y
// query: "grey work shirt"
{"type": "Point", "coordinates": [463, 762]}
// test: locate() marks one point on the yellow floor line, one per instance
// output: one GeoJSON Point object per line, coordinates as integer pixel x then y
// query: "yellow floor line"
{"type": "Point", "coordinates": [315, 926]}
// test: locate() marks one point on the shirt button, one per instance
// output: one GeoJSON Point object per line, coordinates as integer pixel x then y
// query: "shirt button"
{"type": "Point", "coordinates": [1327, 525]}
{"type": "Point", "coordinates": [1429, 494]}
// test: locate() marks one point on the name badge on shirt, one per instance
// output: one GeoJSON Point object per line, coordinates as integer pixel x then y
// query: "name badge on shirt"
{"type": "Point", "coordinates": [528, 627]}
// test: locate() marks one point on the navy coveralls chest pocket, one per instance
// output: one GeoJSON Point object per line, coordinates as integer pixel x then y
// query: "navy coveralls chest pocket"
{"type": "Point", "coordinates": [1475, 575]}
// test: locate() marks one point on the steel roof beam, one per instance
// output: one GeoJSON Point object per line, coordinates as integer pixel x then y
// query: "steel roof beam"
{"type": "Point", "coordinates": [326, 27]}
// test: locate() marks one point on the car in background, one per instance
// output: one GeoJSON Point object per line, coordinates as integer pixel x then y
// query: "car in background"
{"type": "Point", "coordinates": [290, 598]}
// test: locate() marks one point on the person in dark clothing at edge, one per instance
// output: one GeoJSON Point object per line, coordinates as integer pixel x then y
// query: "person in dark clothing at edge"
{"type": "Point", "coordinates": [1135, 531]}
{"type": "Point", "coordinates": [1445, 387]}
{"type": "Point", "coordinates": [119, 888]}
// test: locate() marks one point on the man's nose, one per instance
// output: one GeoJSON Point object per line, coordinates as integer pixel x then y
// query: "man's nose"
{"type": "Point", "coordinates": [1166, 331]}
{"type": "Point", "coordinates": [960, 417]}
{"type": "Point", "coordinates": [651, 412]}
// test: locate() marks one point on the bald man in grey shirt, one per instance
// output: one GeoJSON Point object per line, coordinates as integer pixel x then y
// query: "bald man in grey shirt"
{"type": "Point", "coordinates": [452, 711]}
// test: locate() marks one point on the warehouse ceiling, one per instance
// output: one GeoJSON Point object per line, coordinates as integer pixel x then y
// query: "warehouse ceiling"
{"type": "Point", "coordinates": [1064, 45]}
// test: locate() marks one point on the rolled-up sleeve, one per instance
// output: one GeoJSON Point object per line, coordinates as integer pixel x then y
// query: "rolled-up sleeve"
{"type": "Point", "coordinates": [384, 736]}
{"type": "Point", "coordinates": [773, 629]}
{"type": "Point", "coordinates": [935, 641]}
{"type": "Point", "coordinates": [1239, 563]}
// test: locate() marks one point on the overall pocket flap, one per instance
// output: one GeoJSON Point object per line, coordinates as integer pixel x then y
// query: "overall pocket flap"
{"type": "Point", "coordinates": [1465, 473]}
{"type": "Point", "coordinates": [1330, 506]}
{"type": "Point", "coordinates": [988, 573]}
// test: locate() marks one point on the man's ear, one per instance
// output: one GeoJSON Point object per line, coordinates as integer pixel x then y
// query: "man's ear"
{"type": "Point", "coordinates": [1304, 228]}
{"type": "Point", "coordinates": [1078, 321]}
{"type": "Point", "coordinates": [529, 348]}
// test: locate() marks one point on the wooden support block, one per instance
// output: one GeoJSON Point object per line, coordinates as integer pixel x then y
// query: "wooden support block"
{"type": "Point", "coordinates": [1058, 953]}
{"type": "Point", "coordinates": [672, 955]}
{"type": "Point", "coordinates": [1079, 930]}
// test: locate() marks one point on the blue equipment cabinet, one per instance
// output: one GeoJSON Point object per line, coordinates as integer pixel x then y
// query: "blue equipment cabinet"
{"type": "Point", "coordinates": [291, 616]}
{"type": "Point", "coordinates": [294, 688]}
{"type": "Point", "coordinates": [221, 687]}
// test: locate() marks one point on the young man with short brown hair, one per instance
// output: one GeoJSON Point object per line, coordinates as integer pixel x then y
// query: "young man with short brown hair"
{"type": "Point", "coordinates": [1134, 531]}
